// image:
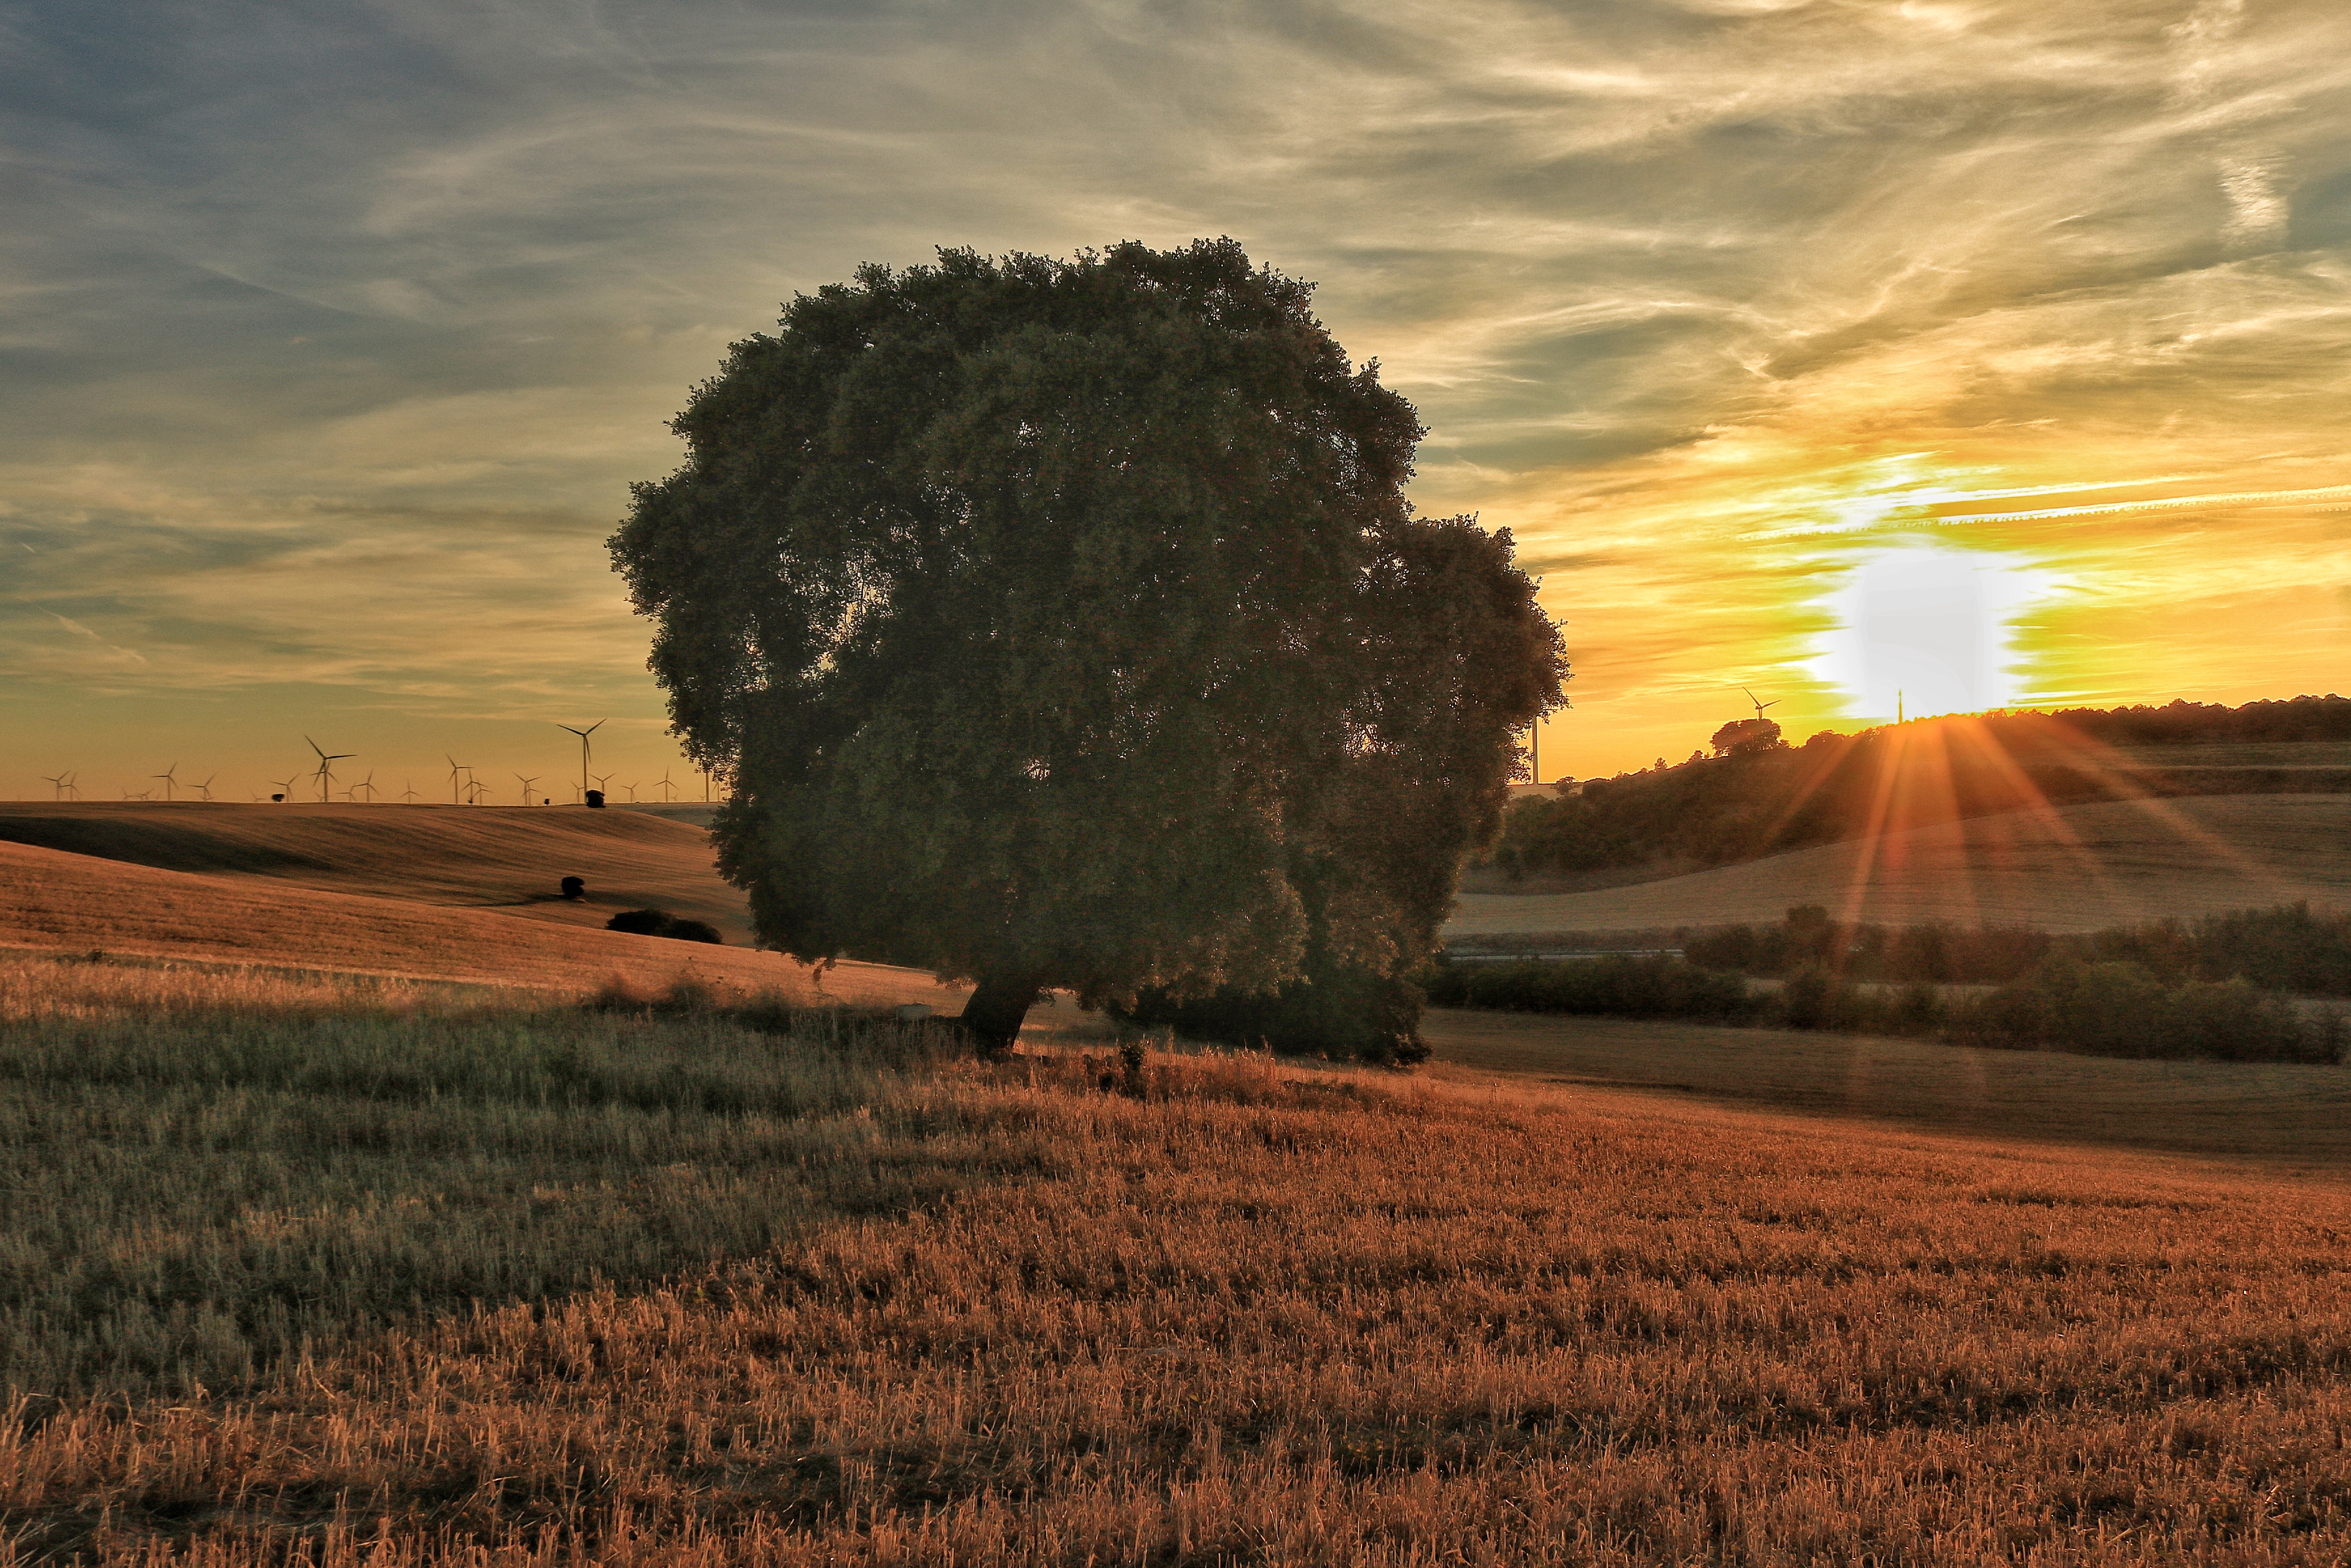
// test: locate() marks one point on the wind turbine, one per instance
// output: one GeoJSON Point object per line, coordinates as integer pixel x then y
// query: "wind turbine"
{"type": "Point", "coordinates": [63, 781]}
{"type": "Point", "coordinates": [207, 785]}
{"type": "Point", "coordinates": [326, 774]}
{"type": "Point", "coordinates": [285, 787]}
{"type": "Point", "coordinates": [605, 785]}
{"type": "Point", "coordinates": [366, 784]}
{"type": "Point", "coordinates": [456, 768]}
{"type": "Point", "coordinates": [632, 793]}
{"type": "Point", "coordinates": [407, 793]}
{"type": "Point", "coordinates": [1775, 702]}
{"type": "Point", "coordinates": [168, 780]}
{"type": "Point", "coordinates": [583, 735]}
{"type": "Point", "coordinates": [526, 783]}
{"type": "Point", "coordinates": [476, 791]}
{"type": "Point", "coordinates": [665, 785]}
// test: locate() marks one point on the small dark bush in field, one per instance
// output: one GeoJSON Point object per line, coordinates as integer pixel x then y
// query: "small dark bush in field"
{"type": "Point", "coordinates": [574, 888]}
{"type": "Point", "coordinates": [661, 923]}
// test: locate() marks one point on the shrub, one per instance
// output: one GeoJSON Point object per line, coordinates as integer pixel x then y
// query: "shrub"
{"type": "Point", "coordinates": [661, 923]}
{"type": "Point", "coordinates": [1336, 1011]}
{"type": "Point", "coordinates": [1613, 986]}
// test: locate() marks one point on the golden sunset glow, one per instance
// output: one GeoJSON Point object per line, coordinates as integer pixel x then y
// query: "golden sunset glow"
{"type": "Point", "coordinates": [333, 348]}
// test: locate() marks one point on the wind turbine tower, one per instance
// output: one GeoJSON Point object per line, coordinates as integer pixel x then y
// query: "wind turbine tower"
{"type": "Point", "coordinates": [61, 783]}
{"type": "Point", "coordinates": [1775, 702]}
{"type": "Point", "coordinates": [526, 783]}
{"type": "Point", "coordinates": [583, 735]}
{"type": "Point", "coordinates": [206, 786]}
{"type": "Point", "coordinates": [168, 780]}
{"type": "Point", "coordinates": [326, 774]}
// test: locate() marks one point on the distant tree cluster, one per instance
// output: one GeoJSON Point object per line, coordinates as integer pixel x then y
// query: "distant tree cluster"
{"type": "Point", "coordinates": [2288, 947]}
{"type": "Point", "coordinates": [2183, 723]}
{"type": "Point", "coordinates": [1757, 797]}
{"type": "Point", "coordinates": [2210, 989]}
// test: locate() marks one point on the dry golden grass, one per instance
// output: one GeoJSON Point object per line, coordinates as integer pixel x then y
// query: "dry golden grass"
{"type": "Point", "coordinates": [46, 983]}
{"type": "Point", "coordinates": [2077, 868]}
{"type": "Point", "coordinates": [75, 902]}
{"type": "Point", "coordinates": [326, 1239]}
{"type": "Point", "coordinates": [1251, 1314]}
{"type": "Point", "coordinates": [510, 858]}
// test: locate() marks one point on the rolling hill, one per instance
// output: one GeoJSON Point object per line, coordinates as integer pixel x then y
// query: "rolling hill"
{"type": "Point", "coordinates": [2075, 868]}
{"type": "Point", "coordinates": [50, 899]}
{"type": "Point", "coordinates": [508, 858]}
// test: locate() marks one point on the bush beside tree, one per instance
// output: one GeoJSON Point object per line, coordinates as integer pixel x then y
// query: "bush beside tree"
{"type": "Point", "coordinates": [660, 922]}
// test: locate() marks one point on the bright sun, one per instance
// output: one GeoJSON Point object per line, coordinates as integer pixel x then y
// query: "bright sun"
{"type": "Point", "coordinates": [1927, 628]}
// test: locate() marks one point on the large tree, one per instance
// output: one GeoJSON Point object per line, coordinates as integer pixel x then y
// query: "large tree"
{"type": "Point", "coordinates": [1062, 623]}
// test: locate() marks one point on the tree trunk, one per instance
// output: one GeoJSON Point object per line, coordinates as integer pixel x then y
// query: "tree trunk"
{"type": "Point", "coordinates": [992, 1018]}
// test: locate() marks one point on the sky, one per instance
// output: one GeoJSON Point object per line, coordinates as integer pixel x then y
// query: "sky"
{"type": "Point", "coordinates": [1994, 351]}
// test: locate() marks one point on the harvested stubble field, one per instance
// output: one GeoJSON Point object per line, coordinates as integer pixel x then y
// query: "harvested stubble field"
{"type": "Point", "coordinates": [507, 858]}
{"type": "Point", "coordinates": [57, 902]}
{"type": "Point", "coordinates": [398, 1285]}
{"type": "Point", "coordinates": [2075, 868]}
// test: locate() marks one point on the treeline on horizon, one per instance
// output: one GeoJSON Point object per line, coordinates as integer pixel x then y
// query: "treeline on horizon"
{"type": "Point", "coordinates": [1759, 800]}
{"type": "Point", "coordinates": [2214, 989]}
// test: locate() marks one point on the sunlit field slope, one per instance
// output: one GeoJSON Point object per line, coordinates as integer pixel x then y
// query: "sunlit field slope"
{"type": "Point", "coordinates": [506, 857]}
{"type": "Point", "coordinates": [864, 1309]}
{"type": "Point", "coordinates": [57, 901]}
{"type": "Point", "coordinates": [2075, 868]}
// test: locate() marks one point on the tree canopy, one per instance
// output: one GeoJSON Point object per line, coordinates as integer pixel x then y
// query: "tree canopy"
{"type": "Point", "coordinates": [1742, 736]}
{"type": "Point", "coordinates": [1062, 623]}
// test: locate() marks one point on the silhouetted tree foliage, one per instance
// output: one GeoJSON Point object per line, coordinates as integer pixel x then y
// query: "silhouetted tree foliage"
{"type": "Point", "coordinates": [2061, 1001]}
{"type": "Point", "coordinates": [1062, 623]}
{"type": "Point", "coordinates": [1758, 800]}
{"type": "Point", "coordinates": [2288, 947]}
{"type": "Point", "coordinates": [1743, 736]}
